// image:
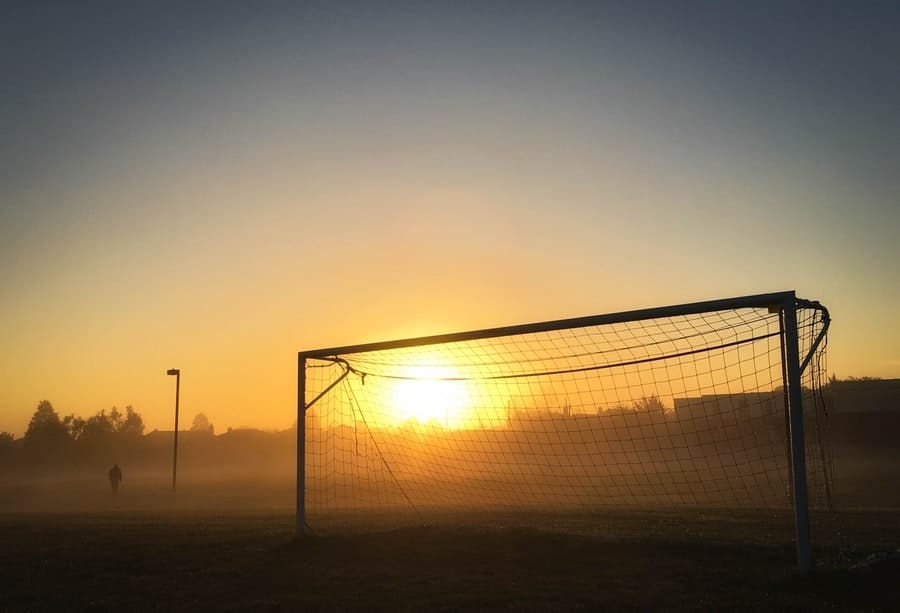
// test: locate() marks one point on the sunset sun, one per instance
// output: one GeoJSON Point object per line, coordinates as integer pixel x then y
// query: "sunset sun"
{"type": "Point", "coordinates": [429, 394]}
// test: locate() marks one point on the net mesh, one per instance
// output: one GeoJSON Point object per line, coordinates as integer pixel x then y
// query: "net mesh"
{"type": "Point", "coordinates": [667, 413]}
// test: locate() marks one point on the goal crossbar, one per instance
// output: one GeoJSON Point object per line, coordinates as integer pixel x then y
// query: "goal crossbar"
{"type": "Point", "coordinates": [775, 299]}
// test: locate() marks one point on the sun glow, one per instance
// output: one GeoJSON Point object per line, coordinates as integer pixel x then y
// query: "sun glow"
{"type": "Point", "coordinates": [428, 394]}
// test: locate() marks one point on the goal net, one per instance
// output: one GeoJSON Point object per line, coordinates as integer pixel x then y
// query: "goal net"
{"type": "Point", "coordinates": [662, 409]}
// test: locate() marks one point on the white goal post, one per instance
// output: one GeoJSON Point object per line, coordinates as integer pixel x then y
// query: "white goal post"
{"type": "Point", "coordinates": [696, 405]}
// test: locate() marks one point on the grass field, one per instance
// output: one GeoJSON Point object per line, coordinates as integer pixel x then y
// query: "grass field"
{"type": "Point", "coordinates": [198, 560]}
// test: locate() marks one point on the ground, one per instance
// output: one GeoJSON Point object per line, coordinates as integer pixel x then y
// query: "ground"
{"type": "Point", "coordinates": [198, 560]}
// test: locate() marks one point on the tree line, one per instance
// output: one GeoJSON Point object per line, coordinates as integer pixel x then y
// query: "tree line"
{"type": "Point", "coordinates": [52, 440]}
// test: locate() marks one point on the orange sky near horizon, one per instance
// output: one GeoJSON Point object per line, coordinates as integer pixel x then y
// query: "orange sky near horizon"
{"type": "Point", "coordinates": [216, 193]}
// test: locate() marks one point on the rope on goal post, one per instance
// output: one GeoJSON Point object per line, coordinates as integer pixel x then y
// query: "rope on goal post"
{"type": "Point", "coordinates": [358, 408]}
{"type": "Point", "coordinates": [346, 370]}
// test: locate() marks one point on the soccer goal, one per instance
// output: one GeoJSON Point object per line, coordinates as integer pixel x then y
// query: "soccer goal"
{"type": "Point", "coordinates": [686, 407]}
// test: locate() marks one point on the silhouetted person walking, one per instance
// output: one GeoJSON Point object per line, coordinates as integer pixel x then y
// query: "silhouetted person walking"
{"type": "Point", "coordinates": [115, 477]}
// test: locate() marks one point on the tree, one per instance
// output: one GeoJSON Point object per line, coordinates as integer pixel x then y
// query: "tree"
{"type": "Point", "coordinates": [7, 443]}
{"type": "Point", "coordinates": [7, 449]}
{"type": "Point", "coordinates": [97, 427]}
{"type": "Point", "coordinates": [133, 422]}
{"type": "Point", "coordinates": [651, 405]}
{"type": "Point", "coordinates": [74, 426]}
{"type": "Point", "coordinates": [201, 424]}
{"type": "Point", "coordinates": [45, 427]}
{"type": "Point", "coordinates": [44, 419]}
{"type": "Point", "coordinates": [116, 419]}
{"type": "Point", "coordinates": [47, 440]}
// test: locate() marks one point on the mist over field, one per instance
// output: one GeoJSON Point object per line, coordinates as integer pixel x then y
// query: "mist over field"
{"type": "Point", "coordinates": [546, 461]}
{"type": "Point", "coordinates": [236, 470]}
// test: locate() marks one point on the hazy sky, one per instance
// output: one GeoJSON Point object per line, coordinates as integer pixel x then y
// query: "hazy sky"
{"type": "Point", "coordinates": [216, 187]}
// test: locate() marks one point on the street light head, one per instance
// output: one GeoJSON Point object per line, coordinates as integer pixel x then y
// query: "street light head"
{"type": "Point", "coordinates": [172, 371]}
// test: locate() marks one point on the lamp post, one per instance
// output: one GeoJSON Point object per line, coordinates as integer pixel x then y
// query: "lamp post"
{"type": "Point", "coordinates": [177, 373]}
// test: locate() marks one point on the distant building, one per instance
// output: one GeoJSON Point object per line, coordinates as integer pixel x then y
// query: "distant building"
{"type": "Point", "coordinates": [725, 406]}
{"type": "Point", "coordinates": [865, 396]}
{"type": "Point", "coordinates": [862, 414]}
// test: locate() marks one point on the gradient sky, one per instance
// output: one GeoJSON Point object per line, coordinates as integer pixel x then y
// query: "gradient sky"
{"type": "Point", "coordinates": [218, 186]}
